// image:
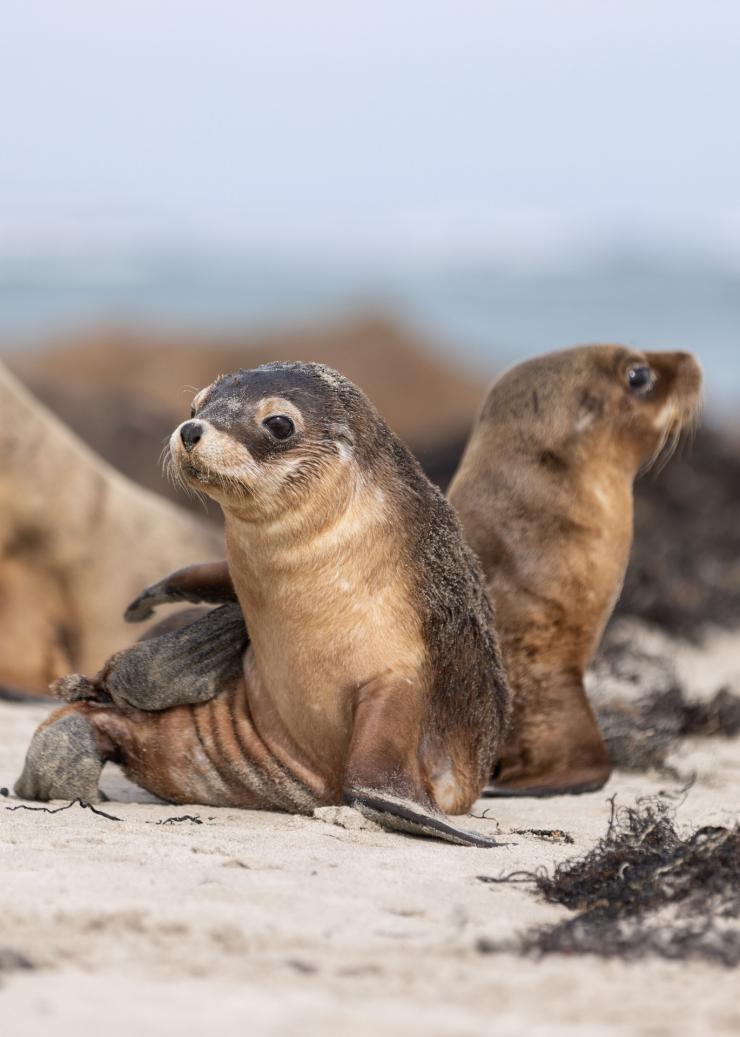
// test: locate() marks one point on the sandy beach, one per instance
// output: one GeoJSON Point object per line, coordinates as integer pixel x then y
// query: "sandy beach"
{"type": "Point", "coordinates": [189, 918]}
{"type": "Point", "coordinates": [289, 925]}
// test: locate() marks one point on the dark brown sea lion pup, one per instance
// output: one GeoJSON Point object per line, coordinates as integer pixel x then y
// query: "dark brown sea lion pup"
{"type": "Point", "coordinates": [544, 493]}
{"type": "Point", "coordinates": [370, 674]}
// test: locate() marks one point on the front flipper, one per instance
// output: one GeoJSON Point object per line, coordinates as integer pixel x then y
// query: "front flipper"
{"type": "Point", "coordinates": [189, 665]}
{"type": "Point", "coordinates": [554, 746]}
{"type": "Point", "coordinates": [208, 583]}
{"type": "Point", "coordinates": [382, 777]}
{"type": "Point", "coordinates": [404, 815]}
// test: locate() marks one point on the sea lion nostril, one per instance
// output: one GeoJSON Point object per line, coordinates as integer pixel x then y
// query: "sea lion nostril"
{"type": "Point", "coordinates": [190, 434]}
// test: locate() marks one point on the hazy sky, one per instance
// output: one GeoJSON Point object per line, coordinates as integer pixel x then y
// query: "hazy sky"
{"type": "Point", "coordinates": [404, 121]}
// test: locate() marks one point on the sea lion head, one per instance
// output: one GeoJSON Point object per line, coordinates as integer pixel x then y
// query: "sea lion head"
{"type": "Point", "coordinates": [259, 440]}
{"type": "Point", "coordinates": [605, 400]}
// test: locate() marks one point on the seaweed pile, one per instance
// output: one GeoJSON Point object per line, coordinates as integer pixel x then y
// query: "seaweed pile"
{"type": "Point", "coordinates": [642, 706]}
{"type": "Point", "coordinates": [684, 572]}
{"type": "Point", "coordinates": [640, 736]}
{"type": "Point", "coordinates": [644, 891]}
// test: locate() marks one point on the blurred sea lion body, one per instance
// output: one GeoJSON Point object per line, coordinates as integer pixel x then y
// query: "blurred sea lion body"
{"type": "Point", "coordinates": [370, 673]}
{"type": "Point", "coordinates": [76, 540]}
{"type": "Point", "coordinates": [544, 493]}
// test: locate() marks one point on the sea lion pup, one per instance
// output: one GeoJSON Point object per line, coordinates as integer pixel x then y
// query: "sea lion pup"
{"type": "Point", "coordinates": [77, 541]}
{"type": "Point", "coordinates": [544, 493]}
{"type": "Point", "coordinates": [371, 674]}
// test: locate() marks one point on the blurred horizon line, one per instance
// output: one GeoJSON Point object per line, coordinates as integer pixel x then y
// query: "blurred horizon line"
{"type": "Point", "coordinates": [482, 300]}
{"type": "Point", "coordinates": [510, 248]}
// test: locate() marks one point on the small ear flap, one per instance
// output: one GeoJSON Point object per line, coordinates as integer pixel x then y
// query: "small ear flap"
{"type": "Point", "coordinates": [189, 665]}
{"type": "Point", "coordinates": [339, 430]}
{"type": "Point", "coordinates": [554, 745]}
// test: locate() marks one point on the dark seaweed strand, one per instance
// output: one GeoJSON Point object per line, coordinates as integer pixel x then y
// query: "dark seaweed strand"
{"type": "Point", "coordinates": [194, 819]}
{"type": "Point", "coordinates": [639, 868]}
{"type": "Point", "coordinates": [58, 810]}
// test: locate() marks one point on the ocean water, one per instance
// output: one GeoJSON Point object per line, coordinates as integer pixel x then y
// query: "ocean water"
{"type": "Point", "coordinates": [483, 315]}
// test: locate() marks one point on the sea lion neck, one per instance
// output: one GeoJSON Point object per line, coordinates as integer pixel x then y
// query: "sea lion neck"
{"type": "Point", "coordinates": [284, 560]}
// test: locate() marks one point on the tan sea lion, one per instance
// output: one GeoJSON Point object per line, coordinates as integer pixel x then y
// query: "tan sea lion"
{"type": "Point", "coordinates": [544, 493]}
{"type": "Point", "coordinates": [77, 540]}
{"type": "Point", "coordinates": [370, 674]}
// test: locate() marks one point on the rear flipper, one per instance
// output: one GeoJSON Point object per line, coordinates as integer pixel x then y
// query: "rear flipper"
{"type": "Point", "coordinates": [554, 746]}
{"type": "Point", "coordinates": [64, 760]}
{"type": "Point", "coordinates": [382, 778]}
{"type": "Point", "coordinates": [208, 583]}
{"type": "Point", "coordinates": [189, 665]}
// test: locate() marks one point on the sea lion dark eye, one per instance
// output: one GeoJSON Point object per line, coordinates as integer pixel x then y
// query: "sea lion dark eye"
{"type": "Point", "coordinates": [640, 378]}
{"type": "Point", "coordinates": [280, 426]}
{"type": "Point", "coordinates": [192, 412]}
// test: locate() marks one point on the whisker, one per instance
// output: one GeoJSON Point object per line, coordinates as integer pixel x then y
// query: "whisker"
{"type": "Point", "coordinates": [651, 461]}
{"type": "Point", "coordinates": [669, 450]}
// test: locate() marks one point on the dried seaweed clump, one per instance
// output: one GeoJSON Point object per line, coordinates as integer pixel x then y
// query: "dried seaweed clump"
{"type": "Point", "coordinates": [641, 735]}
{"type": "Point", "coordinates": [634, 671]}
{"type": "Point", "coordinates": [642, 706]}
{"type": "Point", "coordinates": [684, 572]}
{"type": "Point", "coordinates": [643, 891]}
{"type": "Point", "coordinates": [719, 716]}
